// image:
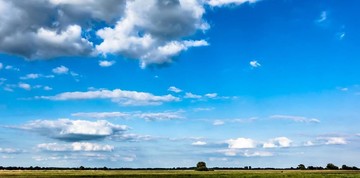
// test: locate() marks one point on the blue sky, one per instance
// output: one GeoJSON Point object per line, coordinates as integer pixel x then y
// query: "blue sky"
{"type": "Point", "coordinates": [169, 83]}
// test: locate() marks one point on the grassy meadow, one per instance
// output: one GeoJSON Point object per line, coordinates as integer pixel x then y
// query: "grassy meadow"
{"type": "Point", "coordinates": [179, 173]}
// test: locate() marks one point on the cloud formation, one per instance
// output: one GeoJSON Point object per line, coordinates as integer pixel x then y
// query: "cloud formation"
{"type": "Point", "coordinates": [73, 130]}
{"type": "Point", "coordinates": [295, 118]}
{"type": "Point", "coordinates": [76, 146]}
{"type": "Point", "coordinates": [277, 142]}
{"type": "Point", "coordinates": [152, 31]}
{"type": "Point", "coordinates": [122, 97]}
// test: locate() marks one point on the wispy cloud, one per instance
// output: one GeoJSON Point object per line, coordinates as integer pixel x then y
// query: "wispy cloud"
{"type": "Point", "coordinates": [101, 115]}
{"type": "Point", "coordinates": [323, 17]}
{"type": "Point", "coordinates": [76, 146]}
{"type": "Point", "coordinates": [219, 3]}
{"type": "Point", "coordinates": [122, 97]}
{"type": "Point", "coordinates": [295, 118]}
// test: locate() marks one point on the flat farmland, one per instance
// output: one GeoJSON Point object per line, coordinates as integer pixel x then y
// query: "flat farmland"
{"type": "Point", "coordinates": [178, 173]}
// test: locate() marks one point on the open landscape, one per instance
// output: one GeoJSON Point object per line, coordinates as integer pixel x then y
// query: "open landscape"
{"type": "Point", "coordinates": [183, 173]}
{"type": "Point", "coordinates": [179, 88]}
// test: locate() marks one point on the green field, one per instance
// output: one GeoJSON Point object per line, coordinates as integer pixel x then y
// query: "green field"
{"type": "Point", "coordinates": [177, 173]}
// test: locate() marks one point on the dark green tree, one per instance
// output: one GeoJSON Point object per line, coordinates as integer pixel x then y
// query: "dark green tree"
{"type": "Point", "coordinates": [331, 166]}
{"type": "Point", "coordinates": [201, 166]}
{"type": "Point", "coordinates": [301, 167]}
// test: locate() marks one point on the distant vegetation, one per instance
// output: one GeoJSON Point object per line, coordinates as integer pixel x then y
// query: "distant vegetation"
{"type": "Point", "coordinates": [200, 166]}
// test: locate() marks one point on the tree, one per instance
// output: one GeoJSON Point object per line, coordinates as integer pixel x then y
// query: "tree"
{"type": "Point", "coordinates": [331, 166]}
{"type": "Point", "coordinates": [301, 167]}
{"type": "Point", "coordinates": [201, 166]}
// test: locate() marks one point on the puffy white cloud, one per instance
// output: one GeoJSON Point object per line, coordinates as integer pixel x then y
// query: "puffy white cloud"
{"type": "Point", "coordinates": [60, 70]}
{"type": "Point", "coordinates": [105, 63]}
{"type": "Point", "coordinates": [278, 142]}
{"type": "Point", "coordinates": [217, 3]}
{"type": "Point", "coordinates": [174, 89]}
{"type": "Point", "coordinates": [76, 146]}
{"type": "Point", "coordinates": [74, 130]}
{"type": "Point", "coordinates": [254, 64]}
{"type": "Point", "coordinates": [101, 115]}
{"type": "Point", "coordinates": [296, 118]}
{"type": "Point", "coordinates": [241, 143]}
{"type": "Point", "coordinates": [118, 96]}
{"type": "Point", "coordinates": [199, 143]}
{"type": "Point", "coordinates": [9, 67]}
{"type": "Point", "coordinates": [24, 86]}
{"type": "Point", "coordinates": [335, 141]}
{"type": "Point", "coordinates": [151, 31]}
{"type": "Point", "coordinates": [30, 76]}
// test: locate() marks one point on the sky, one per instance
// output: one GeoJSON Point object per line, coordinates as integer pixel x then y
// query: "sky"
{"type": "Point", "coordinates": [168, 83]}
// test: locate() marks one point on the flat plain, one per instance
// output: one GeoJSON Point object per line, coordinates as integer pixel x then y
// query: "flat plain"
{"type": "Point", "coordinates": [179, 173]}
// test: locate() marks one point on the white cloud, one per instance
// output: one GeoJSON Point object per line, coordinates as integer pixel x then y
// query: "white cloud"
{"type": "Point", "coordinates": [218, 3]}
{"type": "Point", "coordinates": [101, 115]}
{"type": "Point", "coordinates": [73, 130]}
{"type": "Point", "coordinates": [47, 88]}
{"type": "Point", "coordinates": [199, 143]}
{"type": "Point", "coordinates": [323, 17]}
{"type": "Point", "coordinates": [122, 97]}
{"type": "Point", "coordinates": [1, 65]}
{"type": "Point", "coordinates": [192, 96]}
{"type": "Point", "coordinates": [106, 63]}
{"type": "Point", "coordinates": [218, 122]}
{"type": "Point", "coordinates": [248, 153]}
{"type": "Point", "coordinates": [335, 141]}
{"type": "Point", "coordinates": [203, 109]}
{"type": "Point", "coordinates": [174, 89]}
{"type": "Point", "coordinates": [211, 95]}
{"type": "Point", "coordinates": [24, 86]}
{"type": "Point", "coordinates": [254, 64]}
{"type": "Point", "coordinates": [76, 146]}
{"type": "Point", "coordinates": [9, 67]}
{"type": "Point", "coordinates": [35, 76]}
{"type": "Point", "coordinates": [241, 143]}
{"type": "Point", "coordinates": [278, 142]}
{"type": "Point", "coordinates": [159, 116]}
{"type": "Point", "coordinates": [60, 70]}
{"type": "Point", "coordinates": [9, 150]}
{"type": "Point", "coordinates": [296, 118]}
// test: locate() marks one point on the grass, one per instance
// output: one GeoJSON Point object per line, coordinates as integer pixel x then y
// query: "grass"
{"type": "Point", "coordinates": [178, 173]}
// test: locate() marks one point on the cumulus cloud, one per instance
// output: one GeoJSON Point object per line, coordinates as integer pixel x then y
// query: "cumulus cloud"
{"type": "Point", "coordinates": [122, 97]}
{"type": "Point", "coordinates": [218, 3]}
{"type": "Point", "coordinates": [105, 63]}
{"type": "Point", "coordinates": [241, 143]}
{"type": "Point", "coordinates": [296, 118]}
{"type": "Point", "coordinates": [60, 70]}
{"type": "Point", "coordinates": [24, 86]}
{"type": "Point", "coordinates": [151, 31]}
{"type": "Point", "coordinates": [277, 142]}
{"type": "Point", "coordinates": [73, 130]}
{"type": "Point", "coordinates": [101, 115]}
{"type": "Point", "coordinates": [174, 89]}
{"type": "Point", "coordinates": [211, 95]}
{"type": "Point", "coordinates": [35, 76]}
{"type": "Point", "coordinates": [76, 146]}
